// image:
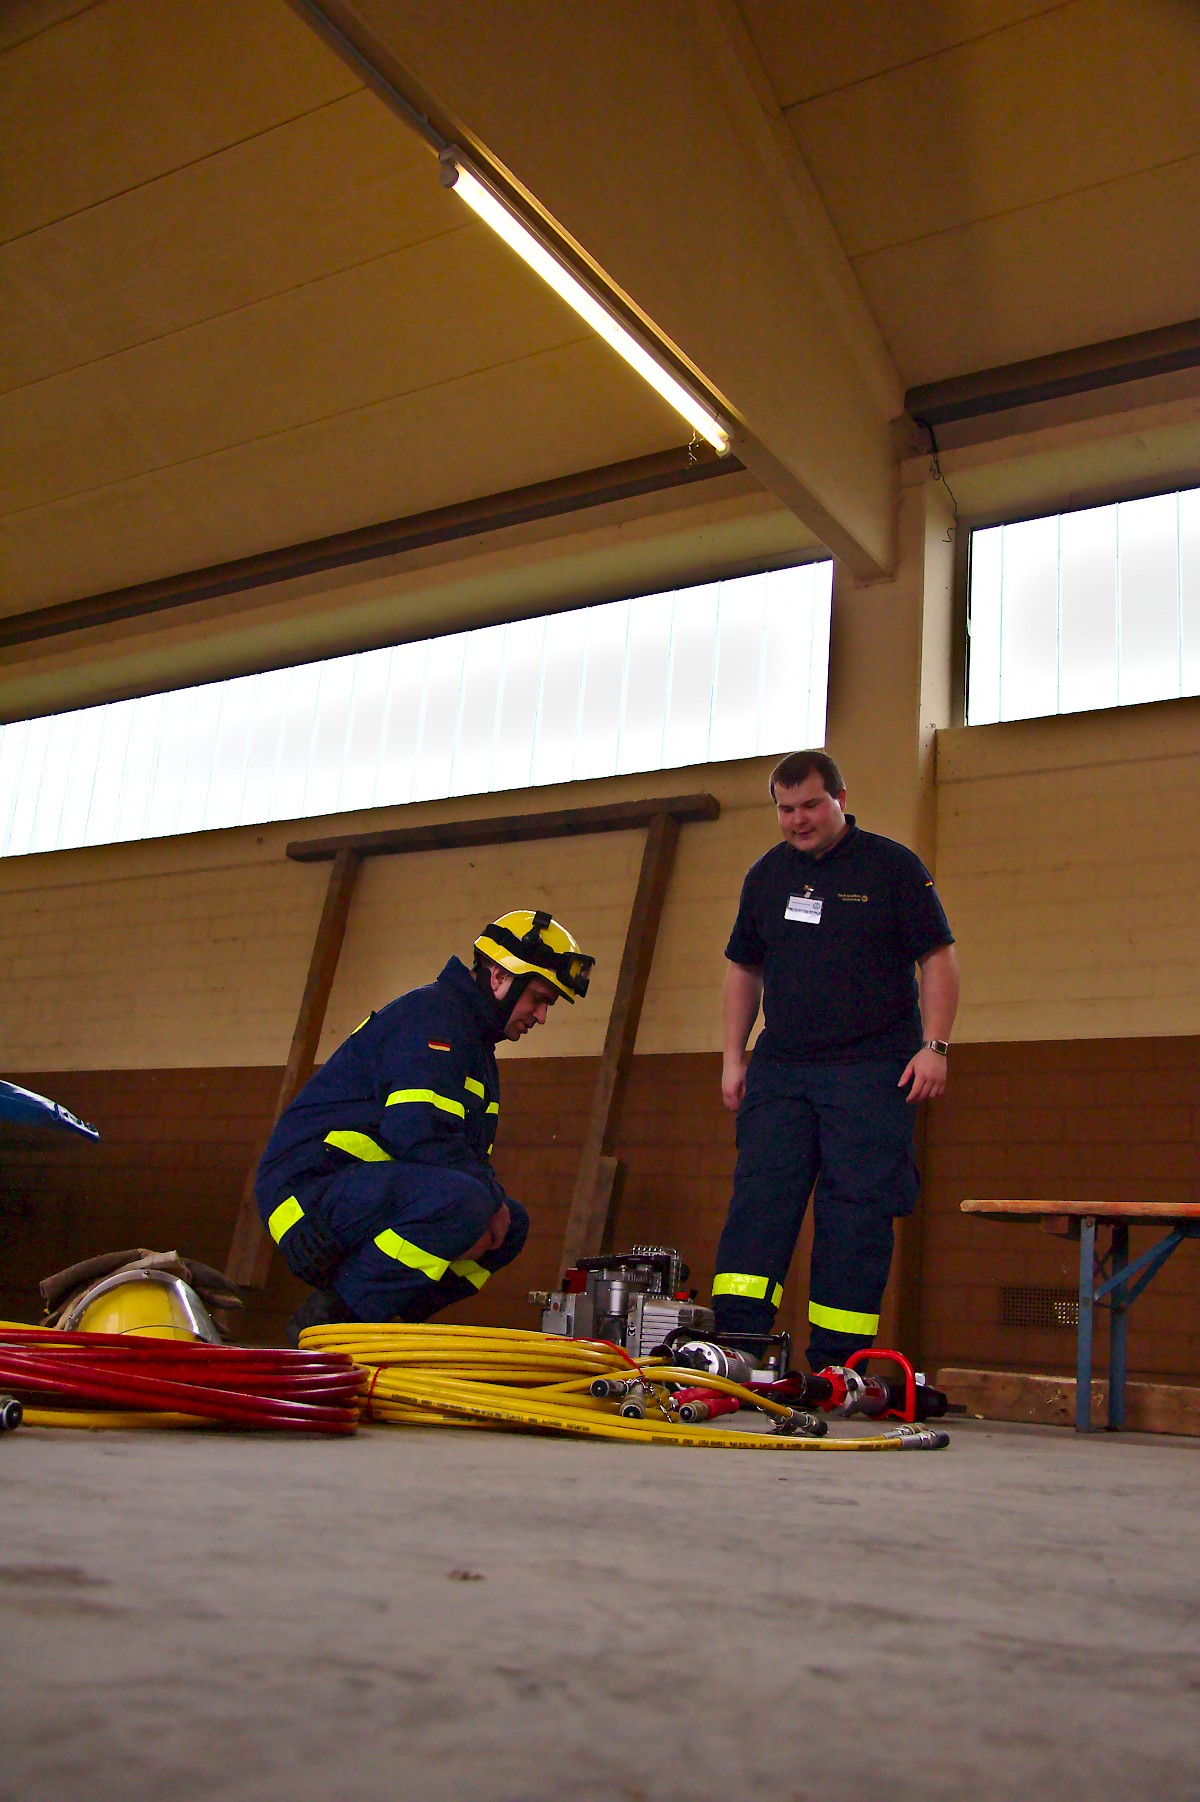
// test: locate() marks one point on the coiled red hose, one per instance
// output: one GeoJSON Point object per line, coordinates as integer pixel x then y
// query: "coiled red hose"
{"type": "Point", "coordinates": [308, 1392]}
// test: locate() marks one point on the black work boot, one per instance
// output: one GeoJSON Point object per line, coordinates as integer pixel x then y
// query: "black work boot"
{"type": "Point", "coordinates": [321, 1308]}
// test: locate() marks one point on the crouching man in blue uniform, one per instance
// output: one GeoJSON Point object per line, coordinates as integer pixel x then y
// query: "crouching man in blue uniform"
{"type": "Point", "coordinates": [832, 926]}
{"type": "Point", "coordinates": [377, 1183]}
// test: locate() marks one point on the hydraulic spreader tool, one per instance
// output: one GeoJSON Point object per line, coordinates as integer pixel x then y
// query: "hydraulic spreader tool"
{"type": "Point", "coordinates": [635, 1298]}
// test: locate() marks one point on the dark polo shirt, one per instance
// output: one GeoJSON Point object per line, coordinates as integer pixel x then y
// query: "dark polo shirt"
{"type": "Point", "coordinates": [836, 938]}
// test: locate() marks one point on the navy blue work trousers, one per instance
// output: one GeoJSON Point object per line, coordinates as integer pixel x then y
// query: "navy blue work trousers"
{"type": "Point", "coordinates": [410, 1226]}
{"type": "Point", "coordinates": [848, 1129]}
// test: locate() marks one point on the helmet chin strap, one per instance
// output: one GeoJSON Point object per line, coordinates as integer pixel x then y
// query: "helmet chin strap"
{"type": "Point", "coordinates": [502, 1005]}
{"type": "Point", "coordinates": [516, 988]}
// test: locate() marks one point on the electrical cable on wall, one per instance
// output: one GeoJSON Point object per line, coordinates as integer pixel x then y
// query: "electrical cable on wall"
{"type": "Point", "coordinates": [936, 471]}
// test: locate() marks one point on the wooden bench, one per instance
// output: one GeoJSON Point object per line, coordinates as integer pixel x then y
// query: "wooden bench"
{"type": "Point", "coordinates": [1107, 1277]}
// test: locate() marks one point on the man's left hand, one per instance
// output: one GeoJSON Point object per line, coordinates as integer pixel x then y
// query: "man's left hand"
{"type": "Point", "coordinates": [927, 1074]}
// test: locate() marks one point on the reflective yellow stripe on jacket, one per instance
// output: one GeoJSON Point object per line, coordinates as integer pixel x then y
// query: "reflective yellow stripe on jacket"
{"type": "Point", "coordinates": [283, 1217]}
{"type": "Point", "coordinates": [447, 1105]}
{"type": "Point", "coordinates": [754, 1288]}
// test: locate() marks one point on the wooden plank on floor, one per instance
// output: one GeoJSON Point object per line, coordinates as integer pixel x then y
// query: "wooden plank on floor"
{"type": "Point", "coordinates": [1050, 1400]}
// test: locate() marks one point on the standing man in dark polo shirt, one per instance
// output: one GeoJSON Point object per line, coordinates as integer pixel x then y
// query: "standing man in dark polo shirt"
{"type": "Point", "coordinates": [831, 926]}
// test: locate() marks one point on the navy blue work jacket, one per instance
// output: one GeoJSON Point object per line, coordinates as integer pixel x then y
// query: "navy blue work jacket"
{"type": "Point", "coordinates": [417, 1081]}
{"type": "Point", "coordinates": [836, 938]}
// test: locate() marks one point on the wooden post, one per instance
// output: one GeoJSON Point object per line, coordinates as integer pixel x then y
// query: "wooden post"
{"type": "Point", "coordinates": [250, 1251]}
{"type": "Point", "coordinates": [588, 1222]}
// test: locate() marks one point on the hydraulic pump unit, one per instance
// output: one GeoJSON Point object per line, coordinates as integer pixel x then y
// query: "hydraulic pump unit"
{"type": "Point", "coordinates": [632, 1298]}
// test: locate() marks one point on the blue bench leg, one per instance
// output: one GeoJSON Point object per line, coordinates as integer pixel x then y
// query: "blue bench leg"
{"type": "Point", "coordinates": [1083, 1361]}
{"type": "Point", "coordinates": [1118, 1315]}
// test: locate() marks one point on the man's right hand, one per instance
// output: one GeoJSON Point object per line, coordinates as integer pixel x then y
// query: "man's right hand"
{"type": "Point", "coordinates": [733, 1082]}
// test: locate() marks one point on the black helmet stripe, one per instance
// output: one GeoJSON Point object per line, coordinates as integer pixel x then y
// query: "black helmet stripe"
{"type": "Point", "coordinates": [572, 968]}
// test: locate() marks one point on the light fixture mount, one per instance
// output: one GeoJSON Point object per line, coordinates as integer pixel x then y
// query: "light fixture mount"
{"type": "Point", "coordinates": [546, 259]}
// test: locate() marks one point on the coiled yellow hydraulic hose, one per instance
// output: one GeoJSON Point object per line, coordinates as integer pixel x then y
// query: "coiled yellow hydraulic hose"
{"type": "Point", "coordinates": [430, 1375]}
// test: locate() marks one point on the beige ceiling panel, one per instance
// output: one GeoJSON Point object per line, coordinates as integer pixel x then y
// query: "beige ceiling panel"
{"type": "Point", "coordinates": [616, 120]}
{"type": "Point", "coordinates": [411, 321]}
{"type": "Point", "coordinates": [23, 19]}
{"type": "Point", "coordinates": [1076, 271]}
{"type": "Point", "coordinates": [332, 189]}
{"type": "Point", "coordinates": [993, 126]}
{"type": "Point", "coordinates": [812, 47]}
{"type": "Point", "coordinates": [120, 94]}
{"type": "Point", "coordinates": [556, 412]}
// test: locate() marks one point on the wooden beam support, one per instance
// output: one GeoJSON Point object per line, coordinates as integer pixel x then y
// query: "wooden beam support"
{"type": "Point", "coordinates": [588, 1223]}
{"type": "Point", "coordinates": [447, 835]}
{"type": "Point", "coordinates": [250, 1251]}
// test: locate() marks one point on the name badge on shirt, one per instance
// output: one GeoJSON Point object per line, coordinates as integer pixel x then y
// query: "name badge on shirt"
{"type": "Point", "coordinates": [805, 908]}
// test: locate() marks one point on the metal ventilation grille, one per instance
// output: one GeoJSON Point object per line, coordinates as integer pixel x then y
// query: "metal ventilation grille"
{"type": "Point", "coordinates": [1026, 1305]}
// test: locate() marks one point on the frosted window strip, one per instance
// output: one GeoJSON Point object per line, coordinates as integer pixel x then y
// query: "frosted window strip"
{"type": "Point", "coordinates": [733, 669]}
{"type": "Point", "coordinates": [1189, 591]}
{"type": "Point", "coordinates": [1096, 608]}
{"type": "Point", "coordinates": [600, 698]}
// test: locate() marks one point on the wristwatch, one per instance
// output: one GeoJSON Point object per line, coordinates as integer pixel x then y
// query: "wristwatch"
{"type": "Point", "coordinates": [941, 1046]}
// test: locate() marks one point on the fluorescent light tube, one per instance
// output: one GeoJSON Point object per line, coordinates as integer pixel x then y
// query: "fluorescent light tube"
{"type": "Point", "coordinates": [468, 186]}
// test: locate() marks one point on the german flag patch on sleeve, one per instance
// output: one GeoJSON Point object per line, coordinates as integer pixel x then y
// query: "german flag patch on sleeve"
{"type": "Point", "coordinates": [439, 1045]}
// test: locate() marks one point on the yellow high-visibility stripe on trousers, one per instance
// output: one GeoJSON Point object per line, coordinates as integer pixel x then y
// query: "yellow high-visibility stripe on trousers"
{"type": "Point", "coordinates": [843, 1320]}
{"type": "Point", "coordinates": [359, 1145]}
{"type": "Point", "coordinates": [474, 1273]}
{"type": "Point", "coordinates": [753, 1288]}
{"type": "Point", "coordinates": [405, 1252]}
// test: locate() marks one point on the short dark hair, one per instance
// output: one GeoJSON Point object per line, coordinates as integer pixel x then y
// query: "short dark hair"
{"type": "Point", "coordinates": [798, 766]}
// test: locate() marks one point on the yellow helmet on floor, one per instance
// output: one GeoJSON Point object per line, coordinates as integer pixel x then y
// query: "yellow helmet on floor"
{"type": "Point", "coordinates": [534, 944]}
{"type": "Point", "coordinates": [145, 1303]}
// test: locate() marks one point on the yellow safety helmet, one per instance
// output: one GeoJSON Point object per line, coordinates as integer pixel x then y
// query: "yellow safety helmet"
{"type": "Point", "coordinates": [145, 1303]}
{"type": "Point", "coordinates": [534, 944]}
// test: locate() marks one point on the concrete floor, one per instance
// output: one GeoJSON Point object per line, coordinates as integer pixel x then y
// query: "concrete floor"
{"type": "Point", "coordinates": [266, 1620]}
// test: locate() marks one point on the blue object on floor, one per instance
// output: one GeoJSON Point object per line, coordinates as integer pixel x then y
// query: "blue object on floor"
{"type": "Point", "coordinates": [28, 1109]}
